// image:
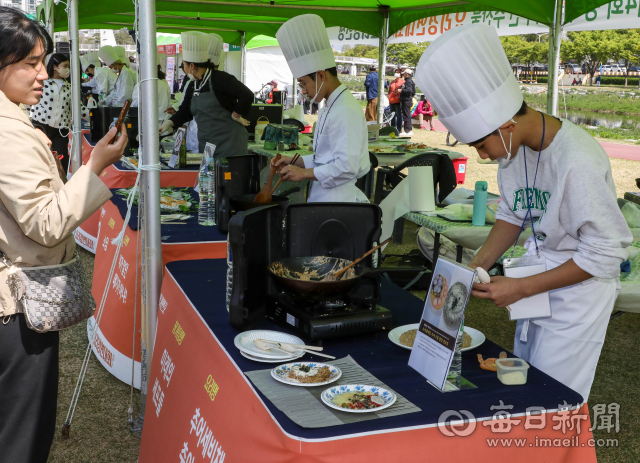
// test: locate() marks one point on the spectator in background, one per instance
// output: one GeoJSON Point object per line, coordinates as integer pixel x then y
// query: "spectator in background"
{"type": "Point", "coordinates": [394, 99]}
{"type": "Point", "coordinates": [52, 115]}
{"type": "Point", "coordinates": [406, 97]}
{"type": "Point", "coordinates": [371, 86]}
{"type": "Point", "coordinates": [273, 87]}
{"type": "Point", "coordinates": [424, 111]}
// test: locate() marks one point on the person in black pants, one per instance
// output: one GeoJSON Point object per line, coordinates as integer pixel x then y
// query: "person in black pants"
{"type": "Point", "coordinates": [406, 101]}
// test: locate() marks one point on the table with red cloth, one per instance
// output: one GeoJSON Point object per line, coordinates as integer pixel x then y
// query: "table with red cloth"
{"type": "Point", "coordinates": [121, 176]}
{"type": "Point", "coordinates": [114, 338]}
{"type": "Point", "coordinates": [202, 407]}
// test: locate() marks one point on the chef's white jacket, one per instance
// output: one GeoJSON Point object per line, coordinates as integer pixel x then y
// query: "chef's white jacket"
{"type": "Point", "coordinates": [103, 81]}
{"type": "Point", "coordinates": [164, 97]}
{"type": "Point", "coordinates": [123, 89]}
{"type": "Point", "coordinates": [341, 154]}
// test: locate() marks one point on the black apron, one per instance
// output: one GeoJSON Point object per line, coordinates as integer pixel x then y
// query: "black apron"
{"type": "Point", "coordinates": [216, 126]}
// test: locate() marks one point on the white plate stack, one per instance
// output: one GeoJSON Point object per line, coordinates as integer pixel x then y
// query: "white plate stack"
{"type": "Point", "coordinates": [244, 342]}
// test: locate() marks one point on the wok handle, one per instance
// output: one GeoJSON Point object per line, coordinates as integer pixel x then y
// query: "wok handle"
{"type": "Point", "coordinates": [341, 272]}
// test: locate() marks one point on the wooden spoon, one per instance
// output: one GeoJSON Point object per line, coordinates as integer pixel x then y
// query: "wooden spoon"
{"type": "Point", "coordinates": [266, 193]}
{"type": "Point", "coordinates": [339, 273]}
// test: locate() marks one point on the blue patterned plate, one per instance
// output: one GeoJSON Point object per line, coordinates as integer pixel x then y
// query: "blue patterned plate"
{"type": "Point", "coordinates": [281, 373]}
{"type": "Point", "coordinates": [330, 394]}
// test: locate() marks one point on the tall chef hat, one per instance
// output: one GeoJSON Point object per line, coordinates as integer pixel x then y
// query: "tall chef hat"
{"type": "Point", "coordinates": [92, 58]}
{"type": "Point", "coordinates": [215, 48]}
{"type": "Point", "coordinates": [108, 55]}
{"type": "Point", "coordinates": [122, 55]}
{"type": "Point", "coordinates": [466, 76]}
{"type": "Point", "coordinates": [305, 45]}
{"type": "Point", "coordinates": [195, 47]}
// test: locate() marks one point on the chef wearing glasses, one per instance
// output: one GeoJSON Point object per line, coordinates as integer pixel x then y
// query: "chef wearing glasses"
{"type": "Point", "coordinates": [340, 143]}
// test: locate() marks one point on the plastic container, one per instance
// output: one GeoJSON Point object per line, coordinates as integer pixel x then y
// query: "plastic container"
{"type": "Point", "coordinates": [512, 371]}
{"type": "Point", "coordinates": [460, 166]}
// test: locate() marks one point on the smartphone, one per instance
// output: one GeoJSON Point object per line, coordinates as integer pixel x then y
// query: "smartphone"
{"type": "Point", "coordinates": [123, 114]}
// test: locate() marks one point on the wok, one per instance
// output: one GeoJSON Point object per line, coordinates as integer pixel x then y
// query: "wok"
{"type": "Point", "coordinates": [288, 272]}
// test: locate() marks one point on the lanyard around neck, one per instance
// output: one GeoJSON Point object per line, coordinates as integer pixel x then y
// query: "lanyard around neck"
{"type": "Point", "coordinates": [326, 115]}
{"type": "Point", "coordinates": [530, 193]}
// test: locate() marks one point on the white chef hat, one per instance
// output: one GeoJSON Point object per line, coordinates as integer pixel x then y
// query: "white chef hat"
{"type": "Point", "coordinates": [122, 55]}
{"type": "Point", "coordinates": [466, 76]}
{"type": "Point", "coordinates": [195, 47]}
{"type": "Point", "coordinates": [305, 45]}
{"type": "Point", "coordinates": [92, 58]}
{"type": "Point", "coordinates": [108, 55]}
{"type": "Point", "coordinates": [215, 48]}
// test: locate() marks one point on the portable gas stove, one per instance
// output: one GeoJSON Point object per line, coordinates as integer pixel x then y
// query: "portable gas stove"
{"type": "Point", "coordinates": [329, 319]}
{"type": "Point", "coordinates": [263, 235]}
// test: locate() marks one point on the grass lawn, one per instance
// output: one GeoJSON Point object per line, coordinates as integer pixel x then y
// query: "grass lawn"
{"type": "Point", "coordinates": [100, 432]}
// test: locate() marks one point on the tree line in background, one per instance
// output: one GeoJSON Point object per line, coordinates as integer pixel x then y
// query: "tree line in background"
{"type": "Point", "coordinates": [591, 48]}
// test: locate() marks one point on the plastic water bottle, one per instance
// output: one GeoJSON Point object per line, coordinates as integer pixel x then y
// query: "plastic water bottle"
{"type": "Point", "coordinates": [206, 189]}
{"type": "Point", "coordinates": [454, 377]}
{"type": "Point", "coordinates": [229, 273]}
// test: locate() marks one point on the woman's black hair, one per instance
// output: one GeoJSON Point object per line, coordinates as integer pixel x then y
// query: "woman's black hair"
{"type": "Point", "coordinates": [161, 75]}
{"type": "Point", "coordinates": [19, 35]}
{"type": "Point", "coordinates": [521, 112]}
{"type": "Point", "coordinates": [55, 60]}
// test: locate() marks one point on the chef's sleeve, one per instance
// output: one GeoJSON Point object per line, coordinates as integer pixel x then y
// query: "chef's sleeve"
{"type": "Point", "coordinates": [183, 114]}
{"type": "Point", "coordinates": [589, 210]}
{"type": "Point", "coordinates": [347, 135]}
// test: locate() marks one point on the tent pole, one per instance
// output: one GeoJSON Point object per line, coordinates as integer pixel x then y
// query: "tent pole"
{"type": "Point", "coordinates": [76, 114]}
{"type": "Point", "coordinates": [555, 37]}
{"type": "Point", "coordinates": [49, 16]}
{"type": "Point", "coordinates": [382, 63]}
{"type": "Point", "coordinates": [243, 58]}
{"type": "Point", "coordinates": [150, 185]}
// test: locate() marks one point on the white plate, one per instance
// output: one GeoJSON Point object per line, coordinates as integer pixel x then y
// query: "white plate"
{"type": "Point", "coordinates": [328, 394]}
{"type": "Point", "coordinates": [394, 334]}
{"type": "Point", "coordinates": [244, 342]}
{"type": "Point", "coordinates": [265, 360]}
{"type": "Point", "coordinates": [281, 373]}
{"type": "Point", "coordinates": [477, 337]}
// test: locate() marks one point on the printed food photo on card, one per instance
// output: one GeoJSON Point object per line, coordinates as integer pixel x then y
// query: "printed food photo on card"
{"type": "Point", "coordinates": [442, 316]}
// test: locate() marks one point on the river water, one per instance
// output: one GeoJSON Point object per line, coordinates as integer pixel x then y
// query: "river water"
{"type": "Point", "coordinates": [594, 119]}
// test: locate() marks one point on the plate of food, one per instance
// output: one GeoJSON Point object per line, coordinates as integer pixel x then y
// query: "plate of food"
{"type": "Point", "coordinates": [306, 374]}
{"type": "Point", "coordinates": [244, 342]}
{"type": "Point", "coordinates": [358, 398]}
{"type": "Point", "coordinates": [404, 336]}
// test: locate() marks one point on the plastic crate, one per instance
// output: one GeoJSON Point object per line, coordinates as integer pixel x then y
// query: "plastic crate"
{"type": "Point", "coordinates": [460, 165]}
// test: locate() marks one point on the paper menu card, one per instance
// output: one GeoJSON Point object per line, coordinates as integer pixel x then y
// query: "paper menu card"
{"type": "Point", "coordinates": [535, 306]}
{"type": "Point", "coordinates": [444, 307]}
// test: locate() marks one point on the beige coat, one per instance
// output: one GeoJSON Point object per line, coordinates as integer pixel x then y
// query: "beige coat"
{"type": "Point", "coordinates": [38, 213]}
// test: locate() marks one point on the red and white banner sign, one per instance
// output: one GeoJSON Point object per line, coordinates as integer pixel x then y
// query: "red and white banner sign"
{"type": "Point", "coordinates": [114, 338]}
{"type": "Point", "coordinates": [170, 49]}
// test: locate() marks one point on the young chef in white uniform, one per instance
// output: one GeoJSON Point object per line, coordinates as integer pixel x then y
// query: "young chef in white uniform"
{"type": "Point", "coordinates": [340, 148]}
{"type": "Point", "coordinates": [102, 79]}
{"type": "Point", "coordinates": [580, 231]}
{"type": "Point", "coordinates": [123, 88]}
{"type": "Point", "coordinates": [164, 93]}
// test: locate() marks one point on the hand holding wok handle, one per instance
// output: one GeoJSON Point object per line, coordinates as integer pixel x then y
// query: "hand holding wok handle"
{"type": "Point", "coordinates": [339, 273]}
